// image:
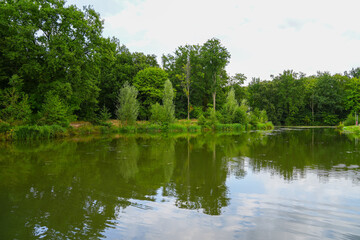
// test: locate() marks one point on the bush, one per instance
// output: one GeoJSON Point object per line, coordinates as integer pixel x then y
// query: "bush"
{"type": "Point", "coordinates": [202, 121]}
{"type": "Point", "coordinates": [350, 120]}
{"type": "Point", "coordinates": [54, 111]}
{"type": "Point", "coordinates": [4, 127]}
{"type": "Point", "coordinates": [127, 104]}
{"type": "Point", "coordinates": [14, 102]}
{"type": "Point", "coordinates": [230, 107]}
{"type": "Point", "coordinates": [168, 104]}
{"type": "Point", "coordinates": [240, 116]}
{"type": "Point", "coordinates": [157, 114]}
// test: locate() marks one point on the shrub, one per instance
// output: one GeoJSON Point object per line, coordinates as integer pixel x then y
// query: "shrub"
{"type": "Point", "coordinates": [4, 127]}
{"type": "Point", "coordinates": [157, 113]}
{"type": "Point", "coordinates": [14, 102]}
{"type": "Point", "coordinates": [54, 111]}
{"type": "Point", "coordinates": [350, 120]}
{"type": "Point", "coordinates": [127, 104]}
{"type": "Point", "coordinates": [230, 107]}
{"type": "Point", "coordinates": [240, 116]}
{"type": "Point", "coordinates": [202, 121]}
{"type": "Point", "coordinates": [168, 104]}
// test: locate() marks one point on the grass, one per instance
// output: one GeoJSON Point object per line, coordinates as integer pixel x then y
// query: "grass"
{"type": "Point", "coordinates": [354, 130]}
{"type": "Point", "coordinates": [29, 132]}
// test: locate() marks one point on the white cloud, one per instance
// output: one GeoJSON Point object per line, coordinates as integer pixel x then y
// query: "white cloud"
{"type": "Point", "coordinates": [264, 37]}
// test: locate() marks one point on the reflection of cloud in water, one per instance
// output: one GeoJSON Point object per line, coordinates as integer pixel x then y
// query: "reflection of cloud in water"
{"type": "Point", "coordinates": [270, 208]}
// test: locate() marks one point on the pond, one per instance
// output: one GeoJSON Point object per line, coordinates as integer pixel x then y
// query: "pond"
{"type": "Point", "coordinates": [284, 184]}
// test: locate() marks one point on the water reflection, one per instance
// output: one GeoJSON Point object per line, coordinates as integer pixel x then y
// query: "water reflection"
{"type": "Point", "coordinates": [83, 189]}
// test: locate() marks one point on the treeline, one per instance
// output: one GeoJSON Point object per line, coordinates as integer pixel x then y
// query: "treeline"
{"type": "Point", "coordinates": [55, 67]}
{"type": "Point", "coordinates": [295, 99]}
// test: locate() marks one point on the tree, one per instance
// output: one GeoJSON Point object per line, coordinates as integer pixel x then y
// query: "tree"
{"type": "Point", "coordinates": [168, 104]}
{"type": "Point", "coordinates": [54, 111]}
{"type": "Point", "coordinates": [215, 58]}
{"type": "Point", "coordinates": [230, 107]}
{"type": "Point", "coordinates": [52, 47]}
{"type": "Point", "coordinates": [150, 84]}
{"type": "Point", "coordinates": [353, 96]}
{"type": "Point", "coordinates": [185, 81]}
{"type": "Point", "coordinates": [14, 102]}
{"type": "Point", "coordinates": [127, 104]}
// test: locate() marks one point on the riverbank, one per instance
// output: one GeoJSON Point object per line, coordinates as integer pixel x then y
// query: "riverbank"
{"type": "Point", "coordinates": [352, 130]}
{"type": "Point", "coordinates": [81, 128]}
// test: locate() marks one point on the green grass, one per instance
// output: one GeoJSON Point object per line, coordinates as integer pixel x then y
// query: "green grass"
{"type": "Point", "coordinates": [31, 132]}
{"type": "Point", "coordinates": [355, 130]}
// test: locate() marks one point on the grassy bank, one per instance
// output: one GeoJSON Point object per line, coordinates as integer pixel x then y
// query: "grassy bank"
{"type": "Point", "coordinates": [353, 130]}
{"type": "Point", "coordinates": [33, 132]}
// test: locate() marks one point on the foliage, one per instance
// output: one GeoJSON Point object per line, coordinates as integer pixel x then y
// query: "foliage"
{"type": "Point", "coordinates": [4, 127]}
{"type": "Point", "coordinates": [353, 95]}
{"type": "Point", "coordinates": [202, 121]}
{"type": "Point", "coordinates": [150, 84]}
{"type": "Point", "coordinates": [230, 107]}
{"type": "Point", "coordinates": [104, 114]}
{"type": "Point", "coordinates": [168, 104]}
{"type": "Point", "coordinates": [215, 58]}
{"type": "Point", "coordinates": [52, 46]}
{"type": "Point", "coordinates": [28, 132]}
{"type": "Point", "coordinates": [14, 103]}
{"type": "Point", "coordinates": [54, 111]}
{"type": "Point", "coordinates": [127, 104]}
{"type": "Point", "coordinates": [158, 114]}
{"type": "Point", "coordinates": [350, 120]}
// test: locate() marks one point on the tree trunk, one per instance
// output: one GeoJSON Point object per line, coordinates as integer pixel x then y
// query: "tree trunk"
{"type": "Point", "coordinates": [188, 97]}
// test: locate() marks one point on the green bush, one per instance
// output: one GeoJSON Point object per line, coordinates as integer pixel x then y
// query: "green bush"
{"type": "Point", "coordinates": [54, 111]}
{"type": "Point", "coordinates": [127, 104]}
{"type": "Point", "coordinates": [4, 127]}
{"type": "Point", "coordinates": [168, 102]}
{"type": "Point", "coordinates": [157, 114]}
{"type": "Point", "coordinates": [350, 120]}
{"type": "Point", "coordinates": [14, 104]}
{"type": "Point", "coordinates": [240, 116]}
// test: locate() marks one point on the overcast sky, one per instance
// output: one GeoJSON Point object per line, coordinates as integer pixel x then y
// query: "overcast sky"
{"type": "Point", "coordinates": [264, 37]}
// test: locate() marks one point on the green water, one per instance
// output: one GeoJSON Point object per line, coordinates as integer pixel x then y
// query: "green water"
{"type": "Point", "coordinates": [288, 184]}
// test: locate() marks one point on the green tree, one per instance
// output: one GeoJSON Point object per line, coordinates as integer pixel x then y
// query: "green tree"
{"type": "Point", "coordinates": [168, 104]}
{"type": "Point", "coordinates": [127, 104]}
{"type": "Point", "coordinates": [185, 81]}
{"type": "Point", "coordinates": [14, 103]}
{"type": "Point", "coordinates": [150, 84]}
{"type": "Point", "coordinates": [54, 111]}
{"type": "Point", "coordinates": [353, 95]}
{"type": "Point", "coordinates": [53, 47]}
{"type": "Point", "coordinates": [230, 107]}
{"type": "Point", "coordinates": [215, 58]}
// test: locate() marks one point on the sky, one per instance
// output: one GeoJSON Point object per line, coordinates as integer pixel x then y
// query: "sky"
{"type": "Point", "coordinates": [263, 37]}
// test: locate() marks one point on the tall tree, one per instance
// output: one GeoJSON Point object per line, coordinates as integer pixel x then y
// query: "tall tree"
{"type": "Point", "coordinates": [52, 47]}
{"type": "Point", "coordinates": [127, 104]}
{"type": "Point", "coordinates": [150, 84]}
{"type": "Point", "coordinates": [215, 58]}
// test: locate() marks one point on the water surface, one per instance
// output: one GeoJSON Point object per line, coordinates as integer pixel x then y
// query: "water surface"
{"type": "Point", "coordinates": [287, 184]}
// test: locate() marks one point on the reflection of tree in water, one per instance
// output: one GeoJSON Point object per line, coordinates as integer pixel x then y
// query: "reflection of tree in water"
{"type": "Point", "coordinates": [291, 154]}
{"type": "Point", "coordinates": [75, 189]}
{"type": "Point", "coordinates": [68, 189]}
{"type": "Point", "coordinates": [201, 170]}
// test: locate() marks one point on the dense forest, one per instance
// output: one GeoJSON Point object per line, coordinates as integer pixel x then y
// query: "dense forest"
{"type": "Point", "coordinates": [56, 67]}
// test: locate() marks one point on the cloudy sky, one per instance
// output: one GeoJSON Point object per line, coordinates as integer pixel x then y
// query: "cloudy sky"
{"type": "Point", "coordinates": [264, 37]}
